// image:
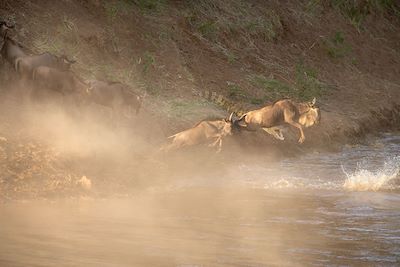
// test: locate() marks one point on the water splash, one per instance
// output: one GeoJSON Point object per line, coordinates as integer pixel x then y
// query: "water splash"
{"type": "Point", "coordinates": [365, 180]}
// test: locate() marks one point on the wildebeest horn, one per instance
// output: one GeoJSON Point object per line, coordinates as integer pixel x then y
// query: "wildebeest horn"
{"type": "Point", "coordinates": [63, 56]}
{"type": "Point", "coordinates": [230, 117]}
{"type": "Point", "coordinates": [313, 101]}
{"type": "Point", "coordinates": [70, 60]}
{"type": "Point", "coordinates": [6, 23]}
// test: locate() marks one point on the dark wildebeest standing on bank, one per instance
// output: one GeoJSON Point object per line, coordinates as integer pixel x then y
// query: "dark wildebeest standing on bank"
{"type": "Point", "coordinates": [282, 112]}
{"type": "Point", "coordinates": [68, 84]}
{"type": "Point", "coordinates": [4, 28]}
{"type": "Point", "coordinates": [25, 65]}
{"type": "Point", "coordinates": [11, 50]}
{"type": "Point", "coordinates": [202, 132]}
{"type": "Point", "coordinates": [114, 95]}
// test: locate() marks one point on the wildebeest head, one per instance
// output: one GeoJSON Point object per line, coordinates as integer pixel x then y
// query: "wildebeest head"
{"type": "Point", "coordinates": [64, 63]}
{"type": "Point", "coordinates": [139, 102]}
{"type": "Point", "coordinates": [229, 122]}
{"type": "Point", "coordinates": [312, 116]}
{"type": "Point", "coordinates": [4, 28]}
{"type": "Point", "coordinates": [134, 101]}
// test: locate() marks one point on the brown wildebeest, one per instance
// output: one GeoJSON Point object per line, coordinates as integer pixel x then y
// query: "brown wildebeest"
{"type": "Point", "coordinates": [25, 65]}
{"type": "Point", "coordinates": [201, 133]}
{"type": "Point", "coordinates": [66, 83]}
{"type": "Point", "coordinates": [282, 112]}
{"type": "Point", "coordinates": [114, 95]}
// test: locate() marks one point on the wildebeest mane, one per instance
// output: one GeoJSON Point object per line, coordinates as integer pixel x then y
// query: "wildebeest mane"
{"type": "Point", "coordinates": [209, 118]}
{"type": "Point", "coordinates": [108, 82]}
{"type": "Point", "coordinates": [276, 101]}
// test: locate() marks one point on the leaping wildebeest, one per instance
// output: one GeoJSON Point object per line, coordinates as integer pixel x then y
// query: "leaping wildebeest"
{"type": "Point", "coordinates": [114, 95]}
{"type": "Point", "coordinates": [286, 111]}
{"type": "Point", "coordinates": [201, 133]}
{"type": "Point", "coordinates": [25, 65]}
{"type": "Point", "coordinates": [67, 83]}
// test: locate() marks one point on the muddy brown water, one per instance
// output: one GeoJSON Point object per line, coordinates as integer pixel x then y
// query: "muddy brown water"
{"type": "Point", "coordinates": [319, 210]}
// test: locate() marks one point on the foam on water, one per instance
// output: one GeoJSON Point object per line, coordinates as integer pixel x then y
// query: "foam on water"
{"type": "Point", "coordinates": [363, 179]}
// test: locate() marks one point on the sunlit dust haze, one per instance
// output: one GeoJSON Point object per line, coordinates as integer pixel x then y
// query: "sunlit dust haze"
{"type": "Point", "coordinates": [90, 174]}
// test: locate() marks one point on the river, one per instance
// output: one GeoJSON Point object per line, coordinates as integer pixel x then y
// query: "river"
{"type": "Point", "coordinates": [332, 209]}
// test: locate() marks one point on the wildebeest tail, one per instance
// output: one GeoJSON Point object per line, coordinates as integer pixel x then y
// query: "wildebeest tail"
{"type": "Point", "coordinates": [17, 61]}
{"type": "Point", "coordinates": [34, 74]}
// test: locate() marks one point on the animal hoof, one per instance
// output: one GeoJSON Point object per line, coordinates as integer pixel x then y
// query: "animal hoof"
{"type": "Point", "coordinates": [301, 140]}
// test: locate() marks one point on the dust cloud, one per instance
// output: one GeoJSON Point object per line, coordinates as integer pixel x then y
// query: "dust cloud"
{"type": "Point", "coordinates": [79, 190]}
{"type": "Point", "coordinates": [118, 197]}
{"type": "Point", "coordinates": [75, 142]}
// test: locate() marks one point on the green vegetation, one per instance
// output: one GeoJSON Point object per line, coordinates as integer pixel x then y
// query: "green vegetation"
{"type": "Point", "coordinates": [153, 90]}
{"type": "Point", "coordinates": [357, 10]}
{"type": "Point", "coordinates": [307, 83]}
{"type": "Point", "coordinates": [66, 39]}
{"type": "Point", "coordinates": [208, 29]}
{"type": "Point", "coordinates": [256, 101]}
{"type": "Point", "coordinates": [235, 91]}
{"type": "Point", "coordinates": [271, 86]}
{"type": "Point", "coordinates": [265, 28]}
{"type": "Point", "coordinates": [218, 19]}
{"type": "Point", "coordinates": [313, 5]}
{"type": "Point", "coordinates": [306, 87]}
{"type": "Point", "coordinates": [148, 61]}
{"type": "Point", "coordinates": [231, 57]}
{"type": "Point", "coordinates": [150, 5]}
{"type": "Point", "coordinates": [117, 7]}
{"type": "Point", "coordinates": [185, 108]}
{"type": "Point", "coordinates": [336, 47]}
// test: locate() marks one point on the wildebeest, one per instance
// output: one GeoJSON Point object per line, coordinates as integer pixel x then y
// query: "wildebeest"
{"type": "Point", "coordinates": [282, 112]}
{"type": "Point", "coordinates": [66, 83]}
{"type": "Point", "coordinates": [4, 28]}
{"type": "Point", "coordinates": [11, 50]}
{"type": "Point", "coordinates": [114, 95]}
{"type": "Point", "coordinates": [25, 65]}
{"type": "Point", "coordinates": [202, 132]}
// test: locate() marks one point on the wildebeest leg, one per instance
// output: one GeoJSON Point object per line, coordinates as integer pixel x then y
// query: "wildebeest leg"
{"type": "Point", "coordinates": [220, 145]}
{"type": "Point", "coordinates": [219, 142]}
{"type": "Point", "coordinates": [288, 117]}
{"type": "Point", "coordinates": [275, 132]}
{"type": "Point", "coordinates": [298, 126]}
{"type": "Point", "coordinates": [215, 142]}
